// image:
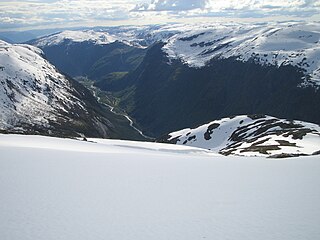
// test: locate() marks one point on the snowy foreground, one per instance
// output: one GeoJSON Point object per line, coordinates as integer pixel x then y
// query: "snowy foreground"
{"type": "Point", "coordinates": [67, 189]}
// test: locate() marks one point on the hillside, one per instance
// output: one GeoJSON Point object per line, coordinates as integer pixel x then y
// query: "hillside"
{"type": "Point", "coordinates": [253, 135]}
{"type": "Point", "coordinates": [275, 44]}
{"type": "Point", "coordinates": [93, 54]}
{"type": "Point", "coordinates": [36, 98]}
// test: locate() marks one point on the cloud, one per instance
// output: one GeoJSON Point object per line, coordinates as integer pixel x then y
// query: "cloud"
{"type": "Point", "coordinates": [61, 12]}
{"type": "Point", "coordinates": [51, 13]}
{"type": "Point", "coordinates": [233, 8]}
{"type": "Point", "coordinates": [171, 5]}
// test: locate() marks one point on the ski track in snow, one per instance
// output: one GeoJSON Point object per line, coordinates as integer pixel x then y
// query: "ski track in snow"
{"type": "Point", "coordinates": [72, 190]}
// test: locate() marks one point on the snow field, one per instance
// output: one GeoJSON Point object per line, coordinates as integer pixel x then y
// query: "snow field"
{"type": "Point", "coordinates": [68, 189]}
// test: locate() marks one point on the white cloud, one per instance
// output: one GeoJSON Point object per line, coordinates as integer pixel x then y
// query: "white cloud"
{"type": "Point", "coordinates": [50, 12]}
{"type": "Point", "coordinates": [258, 8]}
{"type": "Point", "coordinates": [233, 8]}
{"type": "Point", "coordinates": [46, 13]}
{"type": "Point", "coordinates": [171, 5]}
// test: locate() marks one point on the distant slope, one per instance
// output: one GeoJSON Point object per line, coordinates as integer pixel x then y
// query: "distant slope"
{"type": "Point", "coordinates": [90, 53]}
{"type": "Point", "coordinates": [164, 97]}
{"type": "Point", "coordinates": [36, 98]}
{"type": "Point", "coordinates": [276, 44]}
{"type": "Point", "coordinates": [254, 135]}
{"type": "Point", "coordinates": [3, 38]}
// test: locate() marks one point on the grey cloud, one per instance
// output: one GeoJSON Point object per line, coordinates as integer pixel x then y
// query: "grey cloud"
{"type": "Point", "coordinates": [270, 7]}
{"type": "Point", "coordinates": [309, 3]}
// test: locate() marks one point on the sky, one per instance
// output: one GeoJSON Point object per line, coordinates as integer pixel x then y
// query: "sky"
{"type": "Point", "coordinates": [37, 14]}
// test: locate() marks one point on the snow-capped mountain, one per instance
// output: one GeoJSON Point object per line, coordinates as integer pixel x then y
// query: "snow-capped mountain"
{"type": "Point", "coordinates": [296, 44]}
{"type": "Point", "coordinates": [75, 36]}
{"type": "Point", "coordinates": [36, 98]}
{"type": "Point", "coordinates": [210, 71]}
{"type": "Point", "coordinates": [32, 90]}
{"type": "Point", "coordinates": [252, 135]}
{"type": "Point", "coordinates": [92, 53]}
{"type": "Point", "coordinates": [138, 36]}
{"type": "Point", "coordinates": [198, 72]}
{"type": "Point", "coordinates": [279, 44]}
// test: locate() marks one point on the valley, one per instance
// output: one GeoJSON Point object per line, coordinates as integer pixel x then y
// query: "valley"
{"type": "Point", "coordinates": [38, 99]}
{"type": "Point", "coordinates": [181, 76]}
{"type": "Point", "coordinates": [107, 99]}
{"type": "Point", "coordinates": [146, 82]}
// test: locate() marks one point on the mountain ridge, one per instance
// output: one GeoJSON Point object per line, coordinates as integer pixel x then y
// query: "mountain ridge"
{"type": "Point", "coordinates": [208, 71]}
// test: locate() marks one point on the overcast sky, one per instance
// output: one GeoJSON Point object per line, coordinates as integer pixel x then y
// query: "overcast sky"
{"type": "Point", "coordinates": [32, 14]}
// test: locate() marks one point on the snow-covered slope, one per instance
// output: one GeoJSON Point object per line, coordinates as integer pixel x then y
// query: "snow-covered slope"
{"type": "Point", "coordinates": [278, 44]}
{"type": "Point", "coordinates": [75, 36]}
{"type": "Point", "coordinates": [138, 36]}
{"type": "Point", "coordinates": [36, 98]}
{"type": "Point", "coordinates": [254, 135]}
{"type": "Point", "coordinates": [32, 91]}
{"type": "Point", "coordinates": [73, 190]}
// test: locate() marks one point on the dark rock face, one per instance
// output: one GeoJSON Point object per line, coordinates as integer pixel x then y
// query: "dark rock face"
{"type": "Point", "coordinates": [164, 97]}
{"type": "Point", "coordinates": [165, 139]}
{"type": "Point", "coordinates": [207, 134]}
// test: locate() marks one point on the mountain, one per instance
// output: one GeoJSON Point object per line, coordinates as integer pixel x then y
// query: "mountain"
{"type": "Point", "coordinates": [280, 44]}
{"type": "Point", "coordinates": [139, 36]}
{"type": "Point", "coordinates": [211, 71]}
{"type": "Point", "coordinates": [5, 39]}
{"type": "Point", "coordinates": [100, 51]}
{"type": "Point", "coordinates": [36, 98]}
{"type": "Point", "coordinates": [89, 53]}
{"type": "Point", "coordinates": [252, 135]}
{"type": "Point", "coordinates": [28, 35]}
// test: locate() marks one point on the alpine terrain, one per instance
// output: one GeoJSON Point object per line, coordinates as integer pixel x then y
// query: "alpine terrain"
{"type": "Point", "coordinates": [100, 52]}
{"type": "Point", "coordinates": [210, 71]}
{"type": "Point", "coordinates": [202, 125]}
{"type": "Point", "coordinates": [36, 98]}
